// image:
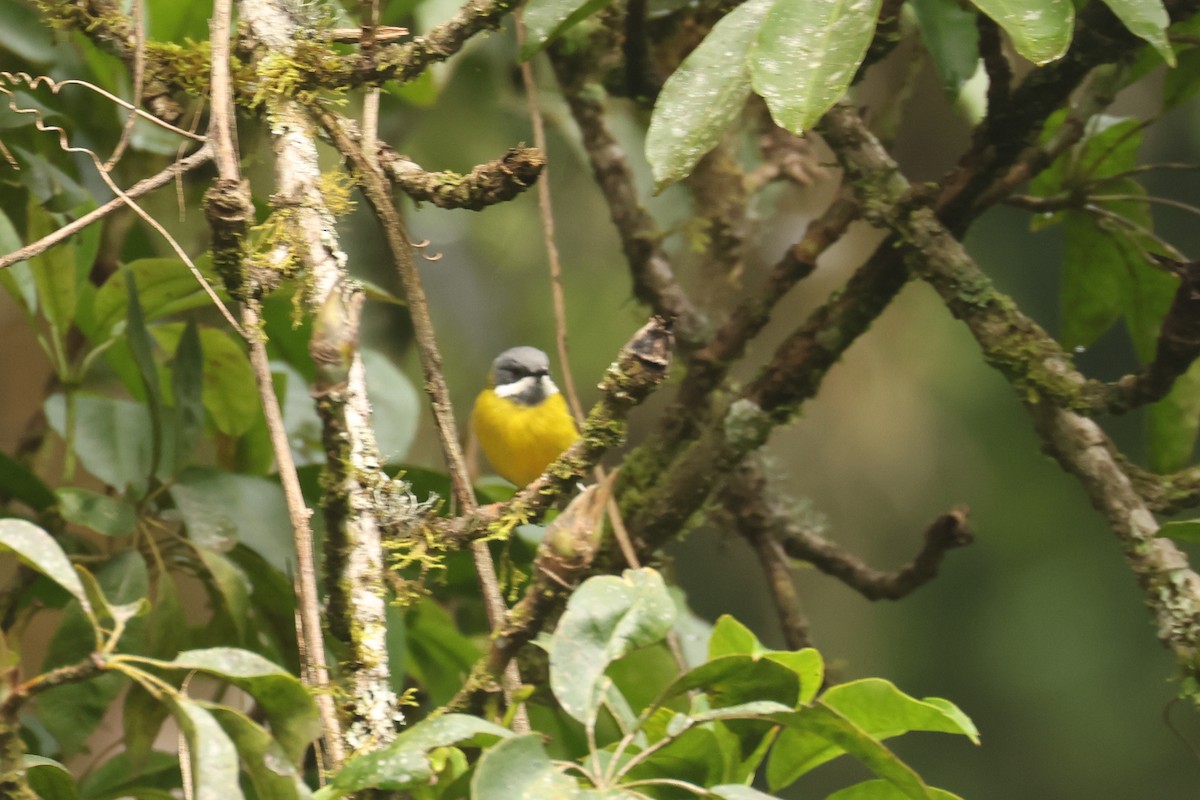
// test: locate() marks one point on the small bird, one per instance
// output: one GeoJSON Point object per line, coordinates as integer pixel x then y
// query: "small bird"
{"type": "Point", "coordinates": [520, 419]}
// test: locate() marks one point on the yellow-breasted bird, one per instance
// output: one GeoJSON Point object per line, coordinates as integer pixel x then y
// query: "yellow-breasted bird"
{"type": "Point", "coordinates": [520, 419]}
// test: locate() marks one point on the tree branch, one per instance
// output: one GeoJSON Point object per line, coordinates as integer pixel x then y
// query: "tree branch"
{"type": "Point", "coordinates": [487, 184]}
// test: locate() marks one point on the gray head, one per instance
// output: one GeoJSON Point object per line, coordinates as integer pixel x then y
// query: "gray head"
{"type": "Point", "coordinates": [522, 374]}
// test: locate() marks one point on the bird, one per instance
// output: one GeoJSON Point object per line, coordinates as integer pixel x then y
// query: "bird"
{"type": "Point", "coordinates": [521, 419]}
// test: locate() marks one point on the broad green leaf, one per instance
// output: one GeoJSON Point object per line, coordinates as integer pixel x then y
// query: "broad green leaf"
{"type": "Point", "coordinates": [142, 351]}
{"type": "Point", "coordinates": [604, 619]}
{"type": "Point", "coordinates": [1148, 20]}
{"type": "Point", "coordinates": [111, 437]}
{"type": "Point", "coordinates": [120, 777]}
{"type": "Point", "coordinates": [49, 779]}
{"type": "Point", "coordinates": [405, 763]}
{"type": "Point", "coordinates": [701, 756]}
{"type": "Point", "coordinates": [213, 756]}
{"type": "Point", "coordinates": [37, 550]}
{"type": "Point", "coordinates": [230, 395]}
{"type": "Point", "coordinates": [731, 637]}
{"type": "Point", "coordinates": [271, 771]}
{"type": "Point", "coordinates": [873, 706]}
{"type": "Point", "coordinates": [54, 272]}
{"type": "Point", "coordinates": [1172, 424]}
{"type": "Point", "coordinates": [1183, 82]}
{"type": "Point", "coordinates": [1184, 530]}
{"type": "Point", "coordinates": [17, 280]}
{"type": "Point", "coordinates": [882, 790]}
{"type": "Point", "coordinates": [519, 769]}
{"type": "Point", "coordinates": [704, 95]}
{"type": "Point", "coordinates": [110, 516]}
{"type": "Point", "coordinates": [221, 509]}
{"type": "Point", "coordinates": [840, 735]}
{"type": "Point", "coordinates": [1040, 29]}
{"type": "Point", "coordinates": [736, 679]}
{"type": "Point", "coordinates": [546, 19]}
{"type": "Point", "coordinates": [165, 286]}
{"type": "Point", "coordinates": [395, 405]}
{"type": "Point", "coordinates": [187, 387]}
{"type": "Point", "coordinates": [1094, 279]}
{"type": "Point", "coordinates": [952, 39]}
{"type": "Point", "coordinates": [808, 666]}
{"type": "Point", "coordinates": [229, 594]}
{"type": "Point", "coordinates": [806, 54]}
{"type": "Point", "coordinates": [288, 705]}
{"type": "Point", "coordinates": [17, 482]}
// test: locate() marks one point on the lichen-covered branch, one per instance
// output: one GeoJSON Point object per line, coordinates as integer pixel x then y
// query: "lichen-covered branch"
{"type": "Point", "coordinates": [493, 182]}
{"type": "Point", "coordinates": [1170, 587]}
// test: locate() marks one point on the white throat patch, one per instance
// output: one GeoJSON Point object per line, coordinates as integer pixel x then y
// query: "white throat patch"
{"type": "Point", "coordinates": [529, 387]}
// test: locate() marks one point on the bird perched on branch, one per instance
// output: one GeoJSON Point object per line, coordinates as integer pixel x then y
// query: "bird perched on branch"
{"type": "Point", "coordinates": [520, 419]}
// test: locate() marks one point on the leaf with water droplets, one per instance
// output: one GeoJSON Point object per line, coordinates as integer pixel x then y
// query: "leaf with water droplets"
{"type": "Point", "coordinates": [405, 762]}
{"type": "Point", "coordinates": [701, 98]}
{"type": "Point", "coordinates": [520, 768]}
{"type": "Point", "coordinates": [37, 549]}
{"type": "Point", "coordinates": [806, 54]}
{"type": "Point", "coordinates": [606, 618]}
{"type": "Point", "coordinates": [1040, 29]}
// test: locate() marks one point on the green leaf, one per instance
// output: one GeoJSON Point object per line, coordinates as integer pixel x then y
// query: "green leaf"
{"type": "Point", "coordinates": [111, 437]}
{"type": "Point", "coordinates": [808, 666]}
{"type": "Point", "coordinates": [111, 516]}
{"type": "Point", "coordinates": [873, 706]}
{"type": "Point", "coordinates": [1040, 29]}
{"type": "Point", "coordinates": [604, 619]}
{"type": "Point", "coordinates": [1094, 279]}
{"type": "Point", "coordinates": [17, 280]}
{"type": "Point", "coordinates": [1173, 423]}
{"type": "Point", "coordinates": [271, 772]}
{"type": "Point", "coordinates": [1184, 530]}
{"type": "Point", "coordinates": [1148, 20]}
{"type": "Point", "coordinates": [54, 272]}
{"type": "Point", "coordinates": [142, 716]}
{"type": "Point", "coordinates": [229, 594]}
{"type": "Point", "coordinates": [221, 509]}
{"type": "Point", "coordinates": [37, 550]}
{"type": "Point", "coordinates": [213, 756]}
{"type": "Point", "coordinates": [395, 405]}
{"type": "Point", "coordinates": [882, 790]}
{"type": "Point", "coordinates": [519, 769]}
{"type": "Point", "coordinates": [731, 637]}
{"type": "Point", "coordinates": [546, 19]}
{"type": "Point", "coordinates": [405, 763]}
{"type": "Point", "coordinates": [165, 285]}
{"type": "Point", "coordinates": [704, 95]}
{"type": "Point", "coordinates": [838, 734]}
{"type": "Point", "coordinates": [230, 394]}
{"type": "Point", "coordinates": [49, 779]}
{"type": "Point", "coordinates": [120, 776]}
{"type": "Point", "coordinates": [806, 54]}
{"type": "Point", "coordinates": [20, 484]}
{"type": "Point", "coordinates": [288, 705]}
{"type": "Point", "coordinates": [736, 679]}
{"type": "Point", "coordinates": [25, 34]}
{"type": "Point", "coordinates": [952, 39]}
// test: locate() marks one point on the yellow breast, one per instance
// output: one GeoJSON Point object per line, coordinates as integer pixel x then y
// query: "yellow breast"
{"type": "Point", "coordinates": [520, 440]}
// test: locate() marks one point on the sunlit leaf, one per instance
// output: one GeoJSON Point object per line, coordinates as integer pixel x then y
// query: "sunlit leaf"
{"type": "Point", "coordinates": [286, 702]}
{"type": "Point", "coordinates": [37, 550]}
{"type": "Point", "coordinates": [111, 437]}
{"type": "Point", "coordinates": [520, 768]}
{"type": "Point", "coordinates": [54, 271]}
{"type": "Point", "coordinates": [704, 95]}
{"type": "Point", "coordinates": [605, 618]}
{"type": "Point", "coordinates": [214, 758]}
{"type": "Point", "coordinates": [1148, 20]}
{"type": "Point", "coordinates": [165, 286]}
{"type": "Point", "coordinates": [806, 54]}
{"type": "Point", "coordinates": [405, 763]}
{"type": "Point", "coordinates": [1041, 30]}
